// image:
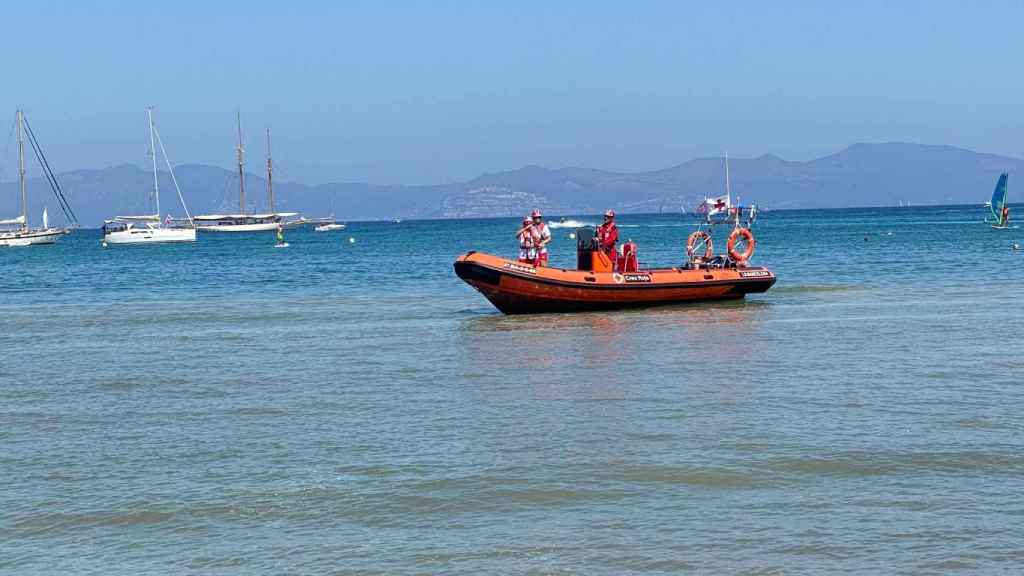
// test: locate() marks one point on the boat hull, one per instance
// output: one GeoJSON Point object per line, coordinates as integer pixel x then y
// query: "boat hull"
{"type": "Point", "coordinates": [31, 237]}
{"type": "Point", "coordinates": [516, 288]}
{"type": "Point", "coordinates": [151, 236]}
{"type": "Point", "coordinates": [261, 227]}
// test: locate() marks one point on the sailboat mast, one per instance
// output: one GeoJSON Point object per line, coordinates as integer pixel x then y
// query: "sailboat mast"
{"type": "Point", "coordinates": [270, 178]}
{"type": "Point", "coordinates": [21, 172]}
{"type": "Point", "coordinates": [152, 153]}
{"type": "Point", "coordinates": [241, 170]}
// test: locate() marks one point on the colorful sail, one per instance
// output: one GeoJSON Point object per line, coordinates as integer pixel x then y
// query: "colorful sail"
{"type": "Point", "coordinates": [999, 199]}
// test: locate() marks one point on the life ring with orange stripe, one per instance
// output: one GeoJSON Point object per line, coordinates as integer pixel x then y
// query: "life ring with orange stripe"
{"type": "Point", "coordinates": [695, 240]}
{"type": "Point", "coordinates": [747, 252]}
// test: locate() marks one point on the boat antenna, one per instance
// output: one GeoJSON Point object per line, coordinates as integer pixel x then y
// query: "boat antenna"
{"type": "Point", "coordinates": [270, 177]}
{"type": "Point", "coordinates": [241, 170]}
{"type": "Point", "coordinates": [152, 154]}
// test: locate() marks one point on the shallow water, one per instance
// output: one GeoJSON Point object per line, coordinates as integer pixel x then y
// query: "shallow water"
{"type": "Point", "coordinates": [230, 408]}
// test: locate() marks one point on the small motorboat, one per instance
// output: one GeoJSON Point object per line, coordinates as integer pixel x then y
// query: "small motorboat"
{"type": "Point", "coordinates": [516, 287]}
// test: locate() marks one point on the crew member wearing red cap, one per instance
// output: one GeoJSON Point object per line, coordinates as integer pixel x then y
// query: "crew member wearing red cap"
{"type": "Point", "coordinates": [541, 237]}
{"type": "Point", "coordinates": [608, 235]}
{"type": "Point", "coordinates": [527, 251]}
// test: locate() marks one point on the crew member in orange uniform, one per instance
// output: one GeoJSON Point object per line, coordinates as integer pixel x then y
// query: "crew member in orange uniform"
{"type": "Point", "coordinates": [608, 235]}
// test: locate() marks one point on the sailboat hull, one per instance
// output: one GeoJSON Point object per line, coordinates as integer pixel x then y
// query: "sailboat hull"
{"type": "Point", "coordinates": [150, 236]}
{"type": "Point", "coordinates": [31, 237]}
{"type": "Point", "coordinates": [262, 227]}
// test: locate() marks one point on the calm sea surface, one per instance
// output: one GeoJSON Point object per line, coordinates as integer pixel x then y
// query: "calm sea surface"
{"type": "Point", "coordinates": [334, 407]}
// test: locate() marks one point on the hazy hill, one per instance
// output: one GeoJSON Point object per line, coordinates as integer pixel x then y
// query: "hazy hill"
{"type": "Point", "coordinates": [861, 175]}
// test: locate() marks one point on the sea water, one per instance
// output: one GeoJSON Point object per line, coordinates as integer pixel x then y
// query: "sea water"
{"type": "Point", "coordinates": [226, 407]}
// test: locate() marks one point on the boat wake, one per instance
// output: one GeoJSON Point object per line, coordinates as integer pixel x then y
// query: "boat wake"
{"type": "Point", "coordinates": [570, 224]}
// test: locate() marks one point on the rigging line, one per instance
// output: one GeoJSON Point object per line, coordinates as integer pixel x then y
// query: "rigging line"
{"type": "Point", "coordinates": [46, 174]}
{"type": "Point", "coordinates": [173, 179]}
{"type": "Point", "coordinates": [51, 177]}
{"type": "Point", "coordinates": [7, 148]}
{"type": "Point", "coordinates": [49, 171]}
{"type": "Point", "coordinates": [61, 201]}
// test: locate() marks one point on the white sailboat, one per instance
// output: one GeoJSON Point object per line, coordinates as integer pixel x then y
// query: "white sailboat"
{"type": "Point", "coordinates": [149, 229]}
{"type": "Point", "coordinates": [16, 231]}
{"type": "Point", "coordinates": [331, 227]}
{"type": "Point", "coordinates": [329, 224]}
{"type": "Point", "coordinates": [243, 222]}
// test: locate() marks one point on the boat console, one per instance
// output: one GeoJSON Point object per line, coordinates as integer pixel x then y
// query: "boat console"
{"type": "Point", "coordinates": [590, 257]}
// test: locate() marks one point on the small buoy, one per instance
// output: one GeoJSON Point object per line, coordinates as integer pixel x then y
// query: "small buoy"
{"type": "Point", "coordinates": [351, 240]}
{"type": "Point", "coordinates": [572, 235]}
{"type": "Point", "coordinates": [104, 243]}
{"type": "Point", "coordinates": [1014, 246]}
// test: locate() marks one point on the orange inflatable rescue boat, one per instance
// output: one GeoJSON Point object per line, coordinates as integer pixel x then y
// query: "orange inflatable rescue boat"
{"type": "Point", "coordinates": [516, 287]}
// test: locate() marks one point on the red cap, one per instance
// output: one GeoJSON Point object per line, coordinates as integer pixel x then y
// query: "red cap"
{"type": "Point", "coordinates": [609, 213]}
{"type": "Point", "coordinates": [536, 214]}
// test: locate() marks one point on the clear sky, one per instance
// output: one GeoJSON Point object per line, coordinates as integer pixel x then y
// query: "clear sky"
{"type": "Point", "coordinates": [422, 92]}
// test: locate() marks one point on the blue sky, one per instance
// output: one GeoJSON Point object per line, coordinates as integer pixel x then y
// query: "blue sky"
{"type": "Point", "coordinates": [421, 92]}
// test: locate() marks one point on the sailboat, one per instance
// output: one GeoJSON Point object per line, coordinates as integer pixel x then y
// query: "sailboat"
{"type": "Point", "coordinates": [328, 224]}
{"type": "Point", "coordinates": [16, 231]}
{"type": "Point", "coordinates": [243, 222]}
{"type": "Point", "coordinates": [149, 229]}
{"type": "Point", "coordinates": [719, 204]}
{"type": "Point", "coordinates": [998, 206]}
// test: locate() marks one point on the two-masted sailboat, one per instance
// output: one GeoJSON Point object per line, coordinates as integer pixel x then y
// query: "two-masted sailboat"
{"type": "Point", "coordinates": [243, 222]}
{"type": "Point", "coordinates": [150, 229]}
{"type": "Point", "coordinates": [16, 231]}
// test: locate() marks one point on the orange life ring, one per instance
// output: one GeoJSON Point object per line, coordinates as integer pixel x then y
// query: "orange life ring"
{"type": "Point", "coordinates": [748, 252]}
{"type": "Point", "coordinates": [694, 239]}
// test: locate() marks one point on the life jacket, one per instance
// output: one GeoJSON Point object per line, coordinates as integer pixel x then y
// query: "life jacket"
{"type": "Point", "coordinates": [538, 235]}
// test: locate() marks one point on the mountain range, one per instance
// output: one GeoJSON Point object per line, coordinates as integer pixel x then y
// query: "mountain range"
{"type": "Point", "coordinates": [860, 175]}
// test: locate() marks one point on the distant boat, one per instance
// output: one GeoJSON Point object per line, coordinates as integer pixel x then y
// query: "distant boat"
{"type": "Point", "coordinates": [328, 224]}
{"type": "Point", "coordinates": [998, 206]}
{"type": "Point", "coordinates": [397, 221]}
{"type": "Point", "coordinates": [243, 222]}
{"type": "Point", "coordinates": [149, 229]}
{"type": "Point", "coordinates": [16, 231]}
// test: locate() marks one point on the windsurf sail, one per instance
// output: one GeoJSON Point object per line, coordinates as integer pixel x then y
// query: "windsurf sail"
{"type": "Point", "coordinates": [999, 199]}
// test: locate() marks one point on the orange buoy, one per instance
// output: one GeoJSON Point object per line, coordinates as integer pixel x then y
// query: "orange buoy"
{"type": "Point", "coordinates": [748, 236]}
{"type": "Point", "coordinates": [694, 241]}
